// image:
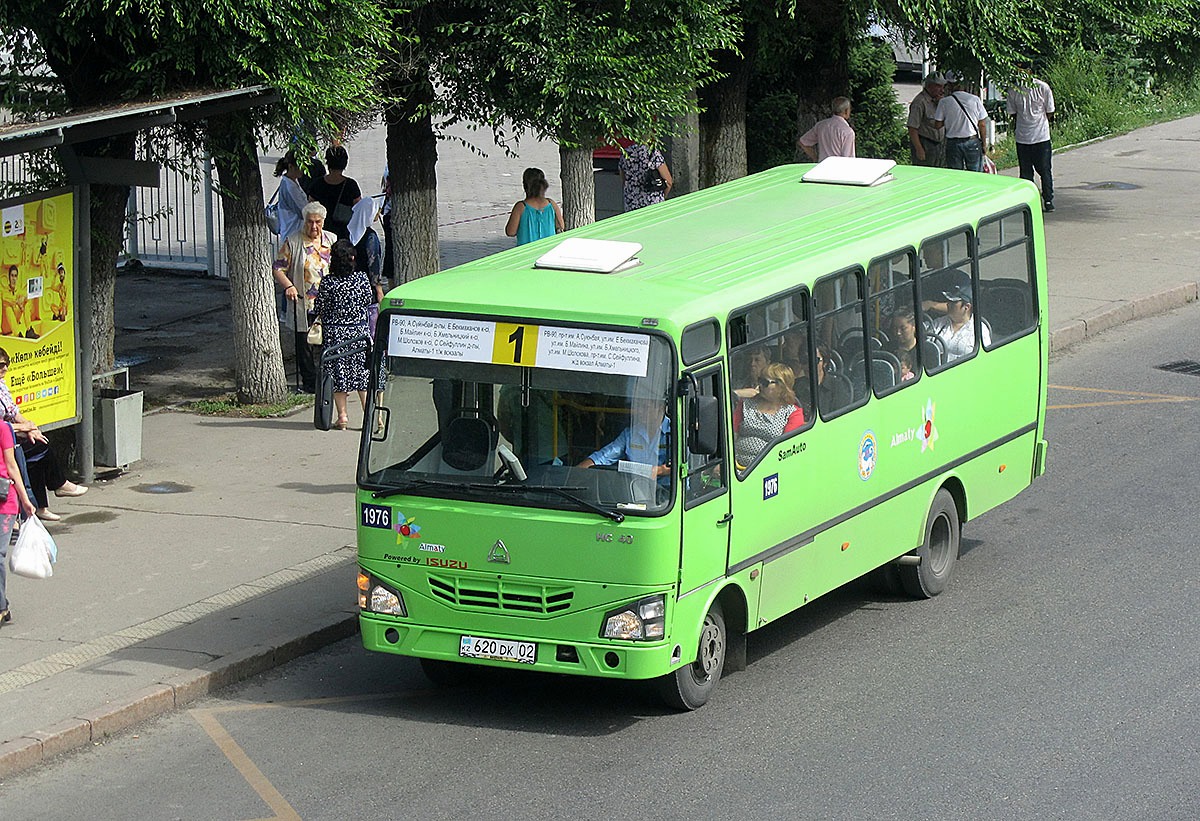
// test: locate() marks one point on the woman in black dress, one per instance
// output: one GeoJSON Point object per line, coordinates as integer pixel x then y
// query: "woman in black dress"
{"type": "Point", "coordinates": [337, 192]}
{"type": "Point", "coordinates": [341, 304]}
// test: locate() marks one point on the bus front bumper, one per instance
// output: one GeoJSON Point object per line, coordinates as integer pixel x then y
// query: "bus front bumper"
{"type": "Point", "coordinates": [627, 660]}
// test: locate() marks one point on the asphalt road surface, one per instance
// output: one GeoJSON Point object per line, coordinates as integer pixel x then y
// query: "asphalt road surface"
{"type": "Point", "coordinates": [1055, 679]}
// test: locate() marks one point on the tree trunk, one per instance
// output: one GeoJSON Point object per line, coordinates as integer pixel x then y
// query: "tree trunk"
{"type": "Point", "coordinates": [723, 122]}
{"type": "Point", "coordinates": [578, 186]}
{"type": "Point", "coordinates": [412, 176]}
{"type": "Point", "coordinates": [258, 361]}
{"type": "Point", "coordinates": [826, 72]}
{"type": "Point", "coordinates": [108, 240]}
{"type": "Point", "coordinates": [684, 150]}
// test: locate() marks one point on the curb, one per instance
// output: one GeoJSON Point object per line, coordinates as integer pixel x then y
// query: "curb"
{"type": "Point", "coordinates": [95, 726]}
{"type": "Point", "coordinates": [1103, 319]}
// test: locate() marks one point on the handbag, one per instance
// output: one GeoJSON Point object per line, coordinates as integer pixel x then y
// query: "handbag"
{"type": "Point", "coordinates": [341, 212]}
{"type": "Point", "coordinates": [5, 486]}
{"type": "Point", "coordinates": [35, 552]}
{"type": "Point", "coordinates": [271, 213]}
{"type": "Point", "coordinates": [653, 182]}
{"type": "Point", "coordinates": [315, 334]}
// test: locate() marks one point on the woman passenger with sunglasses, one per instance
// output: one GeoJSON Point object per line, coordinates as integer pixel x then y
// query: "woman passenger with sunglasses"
{"type": "Point", "coordinates": [761, 419]}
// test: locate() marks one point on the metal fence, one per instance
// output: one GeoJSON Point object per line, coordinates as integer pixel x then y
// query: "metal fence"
{"type": "Point", "coordinates": [179, 224]}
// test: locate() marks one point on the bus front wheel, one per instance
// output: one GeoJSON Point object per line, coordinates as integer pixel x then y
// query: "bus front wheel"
{"type": "Point", "coordinates": [689, 687]}
{"type": "Point", "coordinates": [939, 552]}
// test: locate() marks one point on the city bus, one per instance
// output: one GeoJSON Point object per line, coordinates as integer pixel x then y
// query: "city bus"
{"type": "Point", "coordinates": [618, 451]}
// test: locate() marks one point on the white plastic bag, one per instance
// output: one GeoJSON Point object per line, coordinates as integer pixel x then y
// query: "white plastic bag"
{"type": "Point", "coordinates": [34, 552]}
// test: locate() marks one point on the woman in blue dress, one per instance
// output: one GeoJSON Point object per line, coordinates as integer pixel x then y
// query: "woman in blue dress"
{"type": "Point", "coordinates": [536, 216]}
{"type": "Point", "coordinates": [342, 303]}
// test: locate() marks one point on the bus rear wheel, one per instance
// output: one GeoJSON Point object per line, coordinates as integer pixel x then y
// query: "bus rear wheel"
{"type": "Point", "coordinates": [688, 688]}
{"type": "Point", "coordinates": [939, 552]}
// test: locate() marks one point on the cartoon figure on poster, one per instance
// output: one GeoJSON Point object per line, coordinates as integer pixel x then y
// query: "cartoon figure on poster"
{"type": "Point", "coordinates": [36, 289]}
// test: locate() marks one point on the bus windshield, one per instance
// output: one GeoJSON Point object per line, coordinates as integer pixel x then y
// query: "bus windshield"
{"type": "Point", "coordinates": [524, 414]}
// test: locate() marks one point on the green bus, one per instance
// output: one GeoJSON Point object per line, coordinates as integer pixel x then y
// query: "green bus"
{"type": "Point", "coordinates": [621, 470]}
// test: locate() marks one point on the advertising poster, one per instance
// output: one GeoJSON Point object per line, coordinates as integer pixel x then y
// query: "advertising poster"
{"type": "Point", "coordinates": [37, 311]}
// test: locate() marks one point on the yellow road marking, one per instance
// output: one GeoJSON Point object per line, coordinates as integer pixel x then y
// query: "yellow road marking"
{"type": "Point", "coordinates": [258, 782]}
{"type": "Point", "coordinates": [253, 775]}
{"type": "Point", "coordinates": [1146, 398]}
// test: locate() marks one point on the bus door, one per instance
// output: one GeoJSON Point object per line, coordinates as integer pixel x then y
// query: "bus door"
{"type": "Point", "coordinates": [706, 516]}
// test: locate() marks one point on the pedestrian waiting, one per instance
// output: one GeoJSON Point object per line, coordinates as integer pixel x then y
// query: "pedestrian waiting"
{"type": "Point", "coordinates": [963, 116]}
{"type": "Point", "coordinates": [537, 215]}
{"type": "Point", "coordinates": [831, 137]}
{"type": "Point", "coordinates": [1031, 104]}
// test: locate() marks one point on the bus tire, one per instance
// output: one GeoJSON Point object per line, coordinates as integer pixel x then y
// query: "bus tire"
{"type": "Point", "coordinates": [688, 688]}
{"type": "Point", "coordinates": [447, 673]}
{"type": "Point", "coordinates": [939, 552]}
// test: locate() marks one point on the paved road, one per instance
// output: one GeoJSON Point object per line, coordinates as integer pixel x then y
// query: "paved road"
{"type": "Point", "coordinates": [1055, 679]}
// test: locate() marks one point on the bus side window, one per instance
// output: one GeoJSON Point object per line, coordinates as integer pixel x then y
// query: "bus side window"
{"type": "Point", "coordinates": [893, 322]}
{"type": "Point", "coordinates": [949, 320]}
{"type": "Point", "coordinates": [770, 362]}
{"type": "Point", "coordinates": [1006, 293]}
{"type": "Point", "coordinates": [842, 342]}
{"type": "Point", "coordinates": [706, 472]}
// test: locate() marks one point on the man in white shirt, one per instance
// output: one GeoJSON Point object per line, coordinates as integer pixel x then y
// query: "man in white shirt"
{"type": "Point", "coordinates": [1031, 104]}
{"type": "Point", "coordinates": [831, 137]}
{"type": "Point", "coordinates": [964, 118]}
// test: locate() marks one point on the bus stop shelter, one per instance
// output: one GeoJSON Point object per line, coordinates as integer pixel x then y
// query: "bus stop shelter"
{"type": "Point", "coordinates": [69, 137]}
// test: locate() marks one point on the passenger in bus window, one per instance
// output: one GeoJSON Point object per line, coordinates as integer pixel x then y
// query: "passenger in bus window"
{"type": "Point", "coordinates": [904, 342]}
{"type": "Point", "coordinates": [774, 411]}
{"type": "Point", "coordinates": [750, 366]}
{"type": "Point", "coordinates": [956, 329]}
{"type": "Point", "coordinates": [647, 440]}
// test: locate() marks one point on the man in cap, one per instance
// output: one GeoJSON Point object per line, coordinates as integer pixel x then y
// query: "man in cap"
{"type": "Point", "coordinates": [1031, 104]}
{"type": "Point", "coordinates": [956, 328]}
{"type": "Point", "coordinates": [928, 140]}
{"type": "Point", "coordinates": [965, 120]}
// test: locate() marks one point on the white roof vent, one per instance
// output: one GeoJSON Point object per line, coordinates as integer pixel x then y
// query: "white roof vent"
{"type": "Point", "coordinates": [851, 171]}
{"type": "Point", "coordinates": [597, 256]}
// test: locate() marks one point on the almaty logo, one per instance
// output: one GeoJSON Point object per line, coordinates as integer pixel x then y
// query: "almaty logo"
{"type": "Point", "coordinates": [405, 527]}
{"type": "Point", "coordinates": [929, 433]}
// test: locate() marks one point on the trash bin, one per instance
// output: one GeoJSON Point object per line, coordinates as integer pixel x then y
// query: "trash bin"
{"type": "Point", "coordinates": [117, 426]}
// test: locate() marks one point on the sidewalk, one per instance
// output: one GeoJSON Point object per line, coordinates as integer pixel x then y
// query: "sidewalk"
{"type": "Point", "coordinates": [229, 548]}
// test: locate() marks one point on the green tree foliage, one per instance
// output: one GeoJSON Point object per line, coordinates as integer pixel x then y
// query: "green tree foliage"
{"type": "Point", "coordinates": [104, 52]}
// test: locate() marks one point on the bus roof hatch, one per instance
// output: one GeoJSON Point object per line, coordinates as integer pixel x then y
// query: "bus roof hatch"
{"type": "Point", "coordinates": [597, 256]}
{"type": "Point", "coordinates": [851, 171]}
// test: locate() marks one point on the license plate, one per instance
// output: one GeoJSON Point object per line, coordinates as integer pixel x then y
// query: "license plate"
{"type": "Point", "coordinates": [521, 652]}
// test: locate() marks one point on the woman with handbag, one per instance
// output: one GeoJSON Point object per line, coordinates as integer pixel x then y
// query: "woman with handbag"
{"type": "Point", "coordinates": [337, 192]}
{"type": "Point", "coordinates": [342, 303]}
{"type": "Point", "coordinates": [15, 501]}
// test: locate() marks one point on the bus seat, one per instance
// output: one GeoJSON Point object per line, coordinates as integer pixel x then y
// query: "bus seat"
{"type": "Point", "coordinates": [1007, 305]}
{"type": "Point", "coordinates": [469, 444]}
{"type": "Point", "coordinates": [885, 370]}
{"type": "Point", "coordinates": [932, 351]}
{"type": "Point", "coordinates": [836, 393]}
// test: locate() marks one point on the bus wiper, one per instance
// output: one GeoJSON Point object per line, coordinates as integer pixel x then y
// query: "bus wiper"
{"type": "Point", "coordinates": [411, 484]}
{"type": "Point", "coordinates": [563, 492]}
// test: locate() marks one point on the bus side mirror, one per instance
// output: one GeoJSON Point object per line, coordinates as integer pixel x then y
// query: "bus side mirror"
{"type": "Point", "coordinates": [704, 434]}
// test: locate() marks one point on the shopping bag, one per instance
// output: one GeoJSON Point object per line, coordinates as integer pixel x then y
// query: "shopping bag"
{"type": "Point", "coordinates": [34, 552]}
{"type": "Point", "coordinates": [989, 167]}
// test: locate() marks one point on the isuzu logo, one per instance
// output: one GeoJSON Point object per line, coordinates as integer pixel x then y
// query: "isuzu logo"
{"type": "Point", "coordinates": [499, 553]}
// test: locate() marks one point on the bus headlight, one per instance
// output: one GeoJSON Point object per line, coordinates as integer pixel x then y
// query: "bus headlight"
{"type": "Point", "coordinates": [645, 619]}
{"type": "Point", "coordinates": [374, 597]}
